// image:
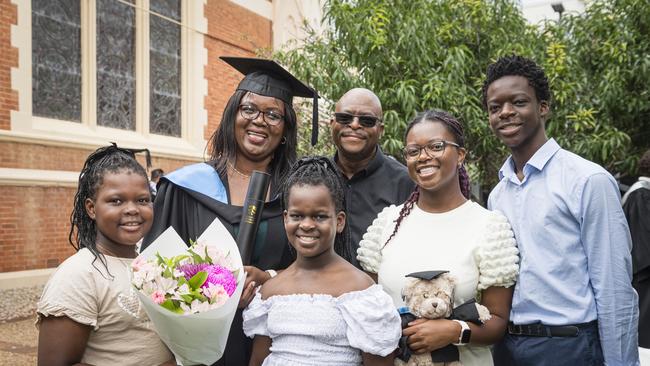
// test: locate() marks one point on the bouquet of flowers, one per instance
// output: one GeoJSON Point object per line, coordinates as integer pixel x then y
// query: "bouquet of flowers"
{"type": "Point", "coordinates": [191, 294]}
{"type": "Point", "coordinates": [201, 279]}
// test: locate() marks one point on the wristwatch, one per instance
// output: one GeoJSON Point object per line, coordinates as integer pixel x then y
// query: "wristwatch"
{"type": "Point", "coordinates": [271, 272]}
{"type": "Point", "coordinates": [465, 333]}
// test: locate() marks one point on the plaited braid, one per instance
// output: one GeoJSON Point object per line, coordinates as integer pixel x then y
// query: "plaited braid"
{"type": "Point", "coordinates": [316, 171]}
{"type": "Point", "coordinates": [108, 159]}
{"type": "Point", "coordinates": [405, 211]}
{"type": "Point", "coordinates": [456, 128]}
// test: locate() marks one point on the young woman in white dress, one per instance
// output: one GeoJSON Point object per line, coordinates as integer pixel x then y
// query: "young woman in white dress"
{"type": "Point", "coordinates": [321, 310]}
{"type": "Point", "coordinates": [439, 228]}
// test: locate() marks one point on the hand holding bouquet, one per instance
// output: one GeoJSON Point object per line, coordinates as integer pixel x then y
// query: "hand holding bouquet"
{"type": "Point", "coordinates": [191, 294]}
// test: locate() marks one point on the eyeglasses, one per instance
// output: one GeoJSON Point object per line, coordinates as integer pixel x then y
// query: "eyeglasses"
{"type": "Point", "coordinates": [434, 149]}
{"type": "Point", "coordinates": [347, 118]}
{"type": "Point", "coordinates": [251, 113]}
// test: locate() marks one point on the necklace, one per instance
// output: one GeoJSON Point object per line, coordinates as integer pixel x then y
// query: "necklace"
{"type": "Point", "coordinates": [237, 171]}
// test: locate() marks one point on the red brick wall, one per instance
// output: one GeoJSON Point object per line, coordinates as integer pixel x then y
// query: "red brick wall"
{"type": "Point", "coordinates": [34, 221]}
{"type": "Point", "coordinates": [8, 59]}
{"type": "Point", "coordinates": [34, 156]}
{"type": "Point", "coordinates": [34, 224]}
{"type": "Point", "coordinates": [232, 31]}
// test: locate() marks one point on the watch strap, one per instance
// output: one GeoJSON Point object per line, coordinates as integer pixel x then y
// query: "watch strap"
{"type": "Point", "coordinates": [465, 333]}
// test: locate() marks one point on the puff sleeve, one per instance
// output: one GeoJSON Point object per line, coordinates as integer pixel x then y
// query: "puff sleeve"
{"type": "Point", "coordinates": [373, 323]}
{"type": "Point", "coordinates": [369, 252]}
{"type": "Point", "coordinates": [497, 257]}
{"type": "Point", "coordinates": [255, 317]}
{"type": "Point", "coordinates": [70, 292]}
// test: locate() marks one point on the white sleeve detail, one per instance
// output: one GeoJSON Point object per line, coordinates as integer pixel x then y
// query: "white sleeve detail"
{"type": "Point", "coordinates": [498, 256]}
{"type": "Point", "coordinates": [374, 325]}
{"type": "Point", "coordinates": [255, 317]}
{"type": "Point", "coordinates": [369, 252]}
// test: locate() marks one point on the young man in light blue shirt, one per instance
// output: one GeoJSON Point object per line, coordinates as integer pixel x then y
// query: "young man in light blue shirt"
{"type": "Point", "coordinates": [573, 303]}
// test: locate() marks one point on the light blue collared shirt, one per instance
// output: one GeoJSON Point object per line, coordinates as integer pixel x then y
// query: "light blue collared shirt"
{"type": "Point", "coordinates": [574, 245]}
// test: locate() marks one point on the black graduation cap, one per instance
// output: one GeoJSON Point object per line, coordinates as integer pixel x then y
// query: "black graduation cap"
{"type": "Point", "coordinates": [268, 78]}
{"type": "Point", "coordinates": [426, 275]}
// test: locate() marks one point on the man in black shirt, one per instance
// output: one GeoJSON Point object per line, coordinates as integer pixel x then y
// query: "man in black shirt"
{"type": "Point", "coordinates": [373, 180]}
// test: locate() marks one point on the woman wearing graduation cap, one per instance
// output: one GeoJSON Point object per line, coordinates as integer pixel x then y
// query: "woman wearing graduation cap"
{"type": "Point", "coordinates": [258, 131]}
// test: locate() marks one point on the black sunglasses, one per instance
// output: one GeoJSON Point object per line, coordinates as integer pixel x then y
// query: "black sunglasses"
{"type": "Point", "coordinates": [347, 118]}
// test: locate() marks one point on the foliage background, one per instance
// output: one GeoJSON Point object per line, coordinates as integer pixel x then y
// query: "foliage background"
{"type": "Point", "coordinates": [423, 54]}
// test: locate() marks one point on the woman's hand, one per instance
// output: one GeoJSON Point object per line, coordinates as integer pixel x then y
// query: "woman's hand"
{"type": "Point", "coordinates": [426, 335]}
{"type": "Point", "coordinates": [254, 277]}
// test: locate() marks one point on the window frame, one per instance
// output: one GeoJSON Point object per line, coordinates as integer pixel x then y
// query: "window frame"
{"type": "Point", "coordinates": [191, 143]}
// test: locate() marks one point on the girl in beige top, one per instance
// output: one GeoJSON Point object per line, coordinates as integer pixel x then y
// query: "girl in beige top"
{"type": "Point", "coordinates": [88, 313]}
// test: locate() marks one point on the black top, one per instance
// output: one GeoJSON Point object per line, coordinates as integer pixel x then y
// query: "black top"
{"type": "Point", "coordinates": [384, 182]}
{"type": "Point", "coordinates": [637, 212]}
{"type": "Point", "coordinates": [191, 212]}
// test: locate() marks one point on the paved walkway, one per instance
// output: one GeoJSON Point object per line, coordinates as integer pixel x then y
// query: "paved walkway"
{"type": "Point", "coordinates": [18, 340]}
{"type": "Point", "coordinates": [18, 335]}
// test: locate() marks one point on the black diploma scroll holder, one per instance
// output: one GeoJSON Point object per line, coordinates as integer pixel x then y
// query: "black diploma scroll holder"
{"type": "Point", "coordinates": [251, 214]}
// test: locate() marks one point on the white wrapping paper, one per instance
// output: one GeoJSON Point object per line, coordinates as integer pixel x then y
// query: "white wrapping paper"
{"type": "Point", "coordinates": [194, 338]}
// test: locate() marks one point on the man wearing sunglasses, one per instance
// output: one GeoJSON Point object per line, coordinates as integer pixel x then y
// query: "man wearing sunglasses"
{"type": "Point", "coordinates": [373, 180]}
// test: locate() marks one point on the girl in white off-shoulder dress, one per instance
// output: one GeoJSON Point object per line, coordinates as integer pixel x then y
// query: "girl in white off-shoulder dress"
{"type": "Point", "coordinates": [438, 228]}
{"type": "Point", "coordinates": [321, 310]}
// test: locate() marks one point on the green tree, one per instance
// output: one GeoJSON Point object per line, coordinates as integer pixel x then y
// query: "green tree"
{"type": "Point", "coordinates": [417, 55]}
{"type": "Point", "coordinates": [423, 54]}
{"type": "Point", "coordinates": [599, 65]}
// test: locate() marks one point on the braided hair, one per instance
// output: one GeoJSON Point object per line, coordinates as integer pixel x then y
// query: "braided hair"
{"type": "Point", "coordinates": [515, 65]}
{"type": "Point", "coordinates": [456, 128]}
{"type": "Point", "coordinates": [316, 171]}
{"type": "Point", "coordinates": [107, 159]}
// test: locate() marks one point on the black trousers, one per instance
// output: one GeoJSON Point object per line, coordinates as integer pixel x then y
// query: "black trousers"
{"type": "Point", "coordinates": [582, 350]}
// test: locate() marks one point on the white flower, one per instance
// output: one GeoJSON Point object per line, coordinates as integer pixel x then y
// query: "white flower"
{"type": "Point", "coordinates": [216, 293]}
{"type": "Point", "coordinates": [178, 273]}
{"type": "Point", "coordinates": [199, 306]}
{"type": "Point", "coordinates": [166, 285]}
{"type": "Point", "coordinates": [183, 289]}
{"type": "Point", "coordinates": [220, 257]}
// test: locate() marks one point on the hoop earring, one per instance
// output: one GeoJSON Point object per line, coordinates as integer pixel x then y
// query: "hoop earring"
{"type": "Point", "coordinates": [283, 141]}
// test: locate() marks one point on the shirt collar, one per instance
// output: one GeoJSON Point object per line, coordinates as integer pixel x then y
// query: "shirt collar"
{"type": "Point", "coordinates": [376, 162]}
{"type": "Point", "coordinates": [537, 161]}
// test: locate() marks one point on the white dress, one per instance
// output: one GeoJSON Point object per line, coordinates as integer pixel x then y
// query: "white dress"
{"type": "Point", "coordinates": [322, 329]}
{"type": "Point", "coordinates": [477, 246]}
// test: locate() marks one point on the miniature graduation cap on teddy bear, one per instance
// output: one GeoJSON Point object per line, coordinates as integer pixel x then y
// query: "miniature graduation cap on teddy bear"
{"type": "Point", "coordinates": [430, 295]}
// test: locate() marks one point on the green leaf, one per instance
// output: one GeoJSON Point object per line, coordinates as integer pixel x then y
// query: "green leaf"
{"type": "Point", "coordinates": [198, 279]}
{"type": "Point", "coordinates": [169, 305]}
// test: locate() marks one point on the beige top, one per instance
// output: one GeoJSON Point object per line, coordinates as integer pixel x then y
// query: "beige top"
{"type": "Point", "coordinates": [84, 292]}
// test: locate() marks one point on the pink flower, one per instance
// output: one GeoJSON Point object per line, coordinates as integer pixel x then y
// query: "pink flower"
{"type": "Point", "coordinates": [216, 293]}
{"type": "Point", "coordinates": [158, 297]}
{"type": "Point", "coordinates": [138, 263]}
{"type": "Point", "coordinates": [217, 275]}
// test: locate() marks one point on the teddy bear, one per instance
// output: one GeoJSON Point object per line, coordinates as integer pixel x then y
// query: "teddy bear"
{"type": "Point", "coordinates": [430, 295]}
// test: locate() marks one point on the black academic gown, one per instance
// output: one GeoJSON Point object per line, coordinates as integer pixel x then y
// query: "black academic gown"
{"type": "Point", "coordinates": [186, 200]}
{"type": "Point", "coordinates": [637, 212]}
